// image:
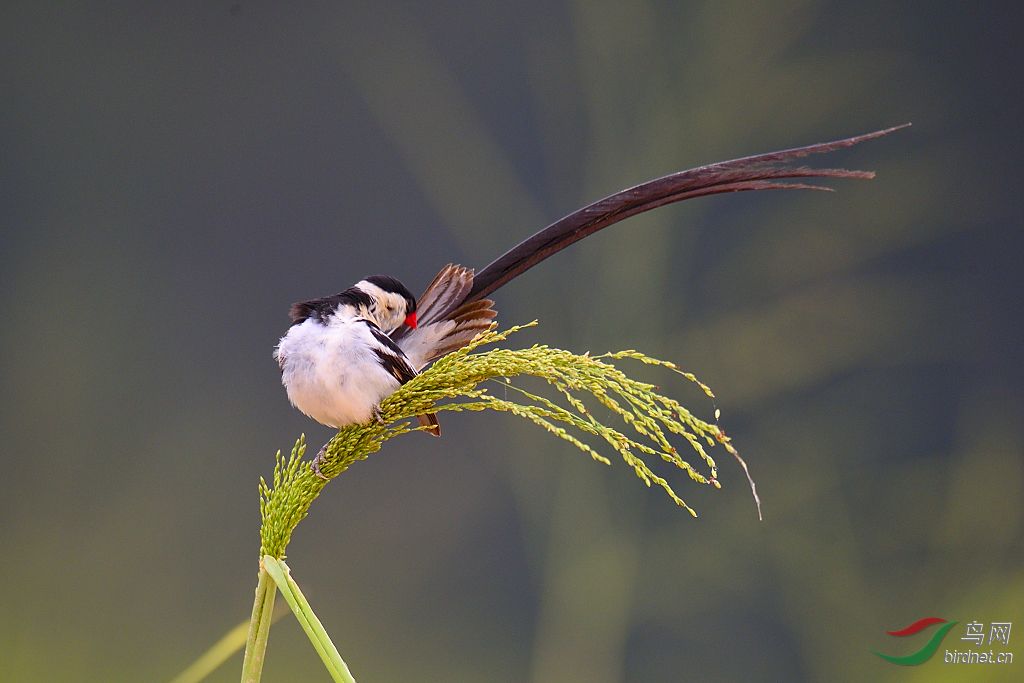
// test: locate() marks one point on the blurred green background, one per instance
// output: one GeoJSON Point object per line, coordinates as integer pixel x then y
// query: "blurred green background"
{"type": "Point", "coordinates": [173, 176]}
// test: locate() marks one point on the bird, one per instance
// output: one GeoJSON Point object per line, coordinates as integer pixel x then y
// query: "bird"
{"type": "Point", "coordinates": [337, 361]}
{"type": "Point", "coordinates": [345, 353]}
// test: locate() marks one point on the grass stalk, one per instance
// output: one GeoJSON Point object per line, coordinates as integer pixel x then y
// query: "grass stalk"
{"type": "Point", "coordinates": [218, 653]}
{"type": "Point", "coordinates": [315, 631]}
{"type": "Point", "coordinates": [259, 628]}
{"type": "Point", "coordinates": [452, 384]}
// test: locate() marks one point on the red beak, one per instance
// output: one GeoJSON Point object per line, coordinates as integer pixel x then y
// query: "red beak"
{"type": "Point", "coordinates": [410, 320]}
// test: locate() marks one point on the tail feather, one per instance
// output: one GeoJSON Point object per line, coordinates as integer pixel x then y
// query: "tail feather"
{"type": "Point", "coordinates": [759, 172]}
{"type": "Point", "coordinates": [473, 312]}
{"type": "Point", "coordinates": [446, 321]}
{"type": "Point", "coordinates": [429, 342]}
{"type": "Point", "coordinates": [430, 420]}
{"type": "Point", "coordinates": [448, 289]}
{"type": "Point", "coordinates": [464, 324]}
{"type": "Point", "coordinates": [453, 310]}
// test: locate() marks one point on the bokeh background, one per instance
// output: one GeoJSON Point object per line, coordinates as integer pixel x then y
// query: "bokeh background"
{"type": "Point", "coordinates": [173, 176]}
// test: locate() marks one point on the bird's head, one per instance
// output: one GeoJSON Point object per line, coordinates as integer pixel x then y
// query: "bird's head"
{"type": "Point", "coordinates": [393, 304]}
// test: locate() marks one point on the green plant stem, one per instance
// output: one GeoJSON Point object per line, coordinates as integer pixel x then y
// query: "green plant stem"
{"type": "Point", "coordinates": [213, 658]}
{"type": "Point", "coordinates": [259, 628]}
{"type": "Point", "coordinates": [315, 631]}
{"type": "Point", "coordinates": [650, 419]}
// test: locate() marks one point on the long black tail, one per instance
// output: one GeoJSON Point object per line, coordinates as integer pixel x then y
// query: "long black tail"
{"type": "Point", "coordinates": [760, 172]}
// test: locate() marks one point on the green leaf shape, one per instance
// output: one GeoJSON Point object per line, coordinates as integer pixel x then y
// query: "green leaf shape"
{"type": "Point", "coordinates": [315, 631]}
{"type": "Point", "coordinates": [218, 653]}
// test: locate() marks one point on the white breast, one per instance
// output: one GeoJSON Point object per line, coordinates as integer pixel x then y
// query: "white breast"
{"type": "Point", "coordinates": [331, 372]}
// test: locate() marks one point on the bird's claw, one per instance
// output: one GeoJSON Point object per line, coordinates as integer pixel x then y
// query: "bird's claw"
{"type": "Point", "coordinates": [315, 465]}
{"type": "Point", "coordinates": [378, 416]}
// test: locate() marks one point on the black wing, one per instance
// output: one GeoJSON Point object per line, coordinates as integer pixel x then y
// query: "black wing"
{"type": "Point", "coordinates": [391, 357]}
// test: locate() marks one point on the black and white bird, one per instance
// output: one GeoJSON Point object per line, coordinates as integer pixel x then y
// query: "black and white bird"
{"type": "Point", "coordinates": [344, 354]}
{"type": "Point", "coordinates": [338, 362]}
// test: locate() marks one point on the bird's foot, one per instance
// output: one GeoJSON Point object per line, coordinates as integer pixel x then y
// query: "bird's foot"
{"type": "Point", "coordinates": [315, 465]}
{"type": "Point", "coordinates": [378, 416]}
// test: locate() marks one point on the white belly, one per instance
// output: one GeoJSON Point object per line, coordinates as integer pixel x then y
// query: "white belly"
{"type": "Point", "coordinates": [331, 372]}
